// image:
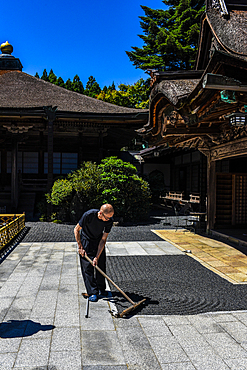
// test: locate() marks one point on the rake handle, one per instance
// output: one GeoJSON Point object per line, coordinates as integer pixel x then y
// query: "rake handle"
{"type": "Point", "coordinates": [112, 282]}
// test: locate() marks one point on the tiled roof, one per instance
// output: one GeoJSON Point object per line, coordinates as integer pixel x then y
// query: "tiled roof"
{"type": "Point", "coordinates": [20, 90]}
{"type": "Point", "coordinates": [230, 32]}
{"type": "Point", "coordinates": [173, 90]}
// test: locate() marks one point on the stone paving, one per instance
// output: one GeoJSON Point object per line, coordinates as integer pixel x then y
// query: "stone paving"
{"type": "Point", "coordinates": [43, 324]}
{"type": "Point", "coordinates": [219, 257]}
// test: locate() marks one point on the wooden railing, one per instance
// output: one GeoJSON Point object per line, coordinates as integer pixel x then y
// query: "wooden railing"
{"type": "Point", "coordinates": [174, 195]}
{"type": "Point", "coordinates": [10, 226]}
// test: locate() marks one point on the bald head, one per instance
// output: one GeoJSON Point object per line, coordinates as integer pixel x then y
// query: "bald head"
{"type": "Point", "coordinates": [107, 209]}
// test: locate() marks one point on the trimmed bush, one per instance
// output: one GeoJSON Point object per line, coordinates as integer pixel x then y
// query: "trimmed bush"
{"type": "Point", "coordinates": [127, 192]}
{"type": "Point", "coordinates": [113, 181]}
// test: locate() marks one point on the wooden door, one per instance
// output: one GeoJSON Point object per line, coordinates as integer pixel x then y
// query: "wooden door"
{"type": "Point", "coordinates": [231, 199]}
{"type": "Point", "coordinates": [223, 199]}
{"type": "Point", "coordinates": [240, 199]}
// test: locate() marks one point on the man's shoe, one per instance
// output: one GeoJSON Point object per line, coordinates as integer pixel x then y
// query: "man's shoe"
{"type": "Point", "coordinates": [103, 293]}
{"type": "Point", "coordinates": [93, 298]}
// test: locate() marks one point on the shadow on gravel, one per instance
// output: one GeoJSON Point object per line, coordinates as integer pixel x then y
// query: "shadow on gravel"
{"type": "Point", "coordinates": [122, 302]}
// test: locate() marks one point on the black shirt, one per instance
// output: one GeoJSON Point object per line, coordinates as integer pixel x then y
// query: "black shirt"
{"type": "Point", "coordinates": [92, 227]}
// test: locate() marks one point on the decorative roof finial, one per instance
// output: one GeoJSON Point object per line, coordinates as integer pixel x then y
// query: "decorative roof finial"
{"type": "Point", "coordinates": [6, 48]}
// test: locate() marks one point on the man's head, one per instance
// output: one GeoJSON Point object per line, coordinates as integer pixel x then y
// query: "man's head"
{"type": "Point", "coordinates": [106, 212]}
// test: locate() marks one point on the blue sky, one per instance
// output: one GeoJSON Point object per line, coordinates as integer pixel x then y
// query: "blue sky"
{"type": "Point", "coordinates": [76, 37]}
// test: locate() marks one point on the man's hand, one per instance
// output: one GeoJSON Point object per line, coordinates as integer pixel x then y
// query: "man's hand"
{"type": "Point", "coordinates": [95, 261]}
{"type": "Point", "coordinates": [81, 251]}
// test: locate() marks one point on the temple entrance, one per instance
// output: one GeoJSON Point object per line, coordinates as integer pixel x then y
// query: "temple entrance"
{"type": "Point", "coordinates": [231, 195]}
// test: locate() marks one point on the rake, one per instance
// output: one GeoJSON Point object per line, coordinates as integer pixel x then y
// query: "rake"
{"type": "Point", "coordinates": [134, 304]}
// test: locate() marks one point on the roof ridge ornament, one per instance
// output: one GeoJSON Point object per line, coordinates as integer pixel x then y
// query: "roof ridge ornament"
{"type": "Point", "coordinates": [6, 48]}
{"type": "Point", "coordinates": [7, 61]}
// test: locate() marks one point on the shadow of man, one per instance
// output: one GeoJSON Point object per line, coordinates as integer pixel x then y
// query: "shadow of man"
{"type": "Point", "coordinates": [22, 328]}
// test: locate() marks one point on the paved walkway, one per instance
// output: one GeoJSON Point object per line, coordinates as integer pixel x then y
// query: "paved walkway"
{"type": "Point", "coordinates": [44, 326]}
{"type": "Point", "coordinates": [217, 256]}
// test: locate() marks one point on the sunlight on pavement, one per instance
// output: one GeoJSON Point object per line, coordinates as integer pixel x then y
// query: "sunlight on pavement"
{"type": "Point", "coordinates": [222, 259]}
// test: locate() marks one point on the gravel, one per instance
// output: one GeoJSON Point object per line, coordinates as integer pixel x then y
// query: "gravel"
{"type": "Point", "coordinates": [172, 285]}
{"type": "Point", "coordinates": [50, 232]}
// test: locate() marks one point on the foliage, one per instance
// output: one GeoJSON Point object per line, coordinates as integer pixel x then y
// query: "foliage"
{"type": "Point", "coordinates": [86, 182]}
{"type": "Point", "coordinates": [77, 85]}
{"type": "Point", "coordinates": [52, 78]}
{"type": "Point", "coordinates": [92, 87]}
{"type": "Point", "coordinates": [61, 192]}
{"type": "Point", "coordinates": [68, 85]}
{"type": "Point", "coordinates": [113, 181]}
{"type": "Point", "coordinates": [170, 36]}
{"type": "Point", "coordinates": [132, 96]}
{"type": "Point", "coordinates": [127, 192]}
{"type": "Point", "coordinates": [60, 82]}
{"type": "Point", "coordinates": [44, 75]}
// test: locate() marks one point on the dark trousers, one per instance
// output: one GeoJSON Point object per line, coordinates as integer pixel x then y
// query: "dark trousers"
{"type": "Point", "coordinates": [93, 282]}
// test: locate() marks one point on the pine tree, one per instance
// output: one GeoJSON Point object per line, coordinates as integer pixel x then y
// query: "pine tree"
{"type": "Point", "coordinates": [60, 82]}
{"type": "Point", "coordinates": [36, 75]}
{"type": "Point", "coordinates": [92, 87]}
{"type": "Point", "coordinates": [77, 85]}
{"type": "Point", "coordinates": [68, 84]}
{"type": "Point", "coordinates": [112, 87]}
{"type": "Point", "coordinates": [52, 78]}
{"type": "Point", "coordinates": [170, 36]}
{"type": "Point", "coordinates": [44, 76]}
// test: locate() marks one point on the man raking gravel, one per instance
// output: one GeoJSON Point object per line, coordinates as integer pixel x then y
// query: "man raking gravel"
{"type": "Point", "coordinates": [91, 233]}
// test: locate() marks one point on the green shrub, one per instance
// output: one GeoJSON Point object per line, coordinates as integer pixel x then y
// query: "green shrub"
{"type": "Point", "coordinates": [61, 192]}
{"type": "Point", "coordinates": [127, 192]}
{"type": "Point", "coordinates": [113, 181]}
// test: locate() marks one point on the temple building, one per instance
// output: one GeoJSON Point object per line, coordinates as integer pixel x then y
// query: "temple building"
{"type": "Point", "coordinates": [47, 131]}
{"type": "Point", "coordinates": [198, 119]}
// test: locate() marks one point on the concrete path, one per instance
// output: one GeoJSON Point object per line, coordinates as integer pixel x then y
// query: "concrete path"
{"type": "Point", "coordinates": [43, 324]}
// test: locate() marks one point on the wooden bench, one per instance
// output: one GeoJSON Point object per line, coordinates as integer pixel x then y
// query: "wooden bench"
{"type": "Point", "coordinates": [173, 195]}
{"type": "Point", "coordinates": [194, 198]}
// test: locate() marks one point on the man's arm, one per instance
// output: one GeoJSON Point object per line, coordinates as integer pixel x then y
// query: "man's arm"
{"type": "Point", "coordinates": [101, 246]}
{"type": "Point", "coordinates": [78, 239]}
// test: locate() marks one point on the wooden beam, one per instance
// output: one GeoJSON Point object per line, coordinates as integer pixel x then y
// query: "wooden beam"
{"type": "Point", "coordinates": [220, 82]}
{"type": "Point", "coordinates": [228, 150]}
{"type": "Point", "coordinates": [196, 131]}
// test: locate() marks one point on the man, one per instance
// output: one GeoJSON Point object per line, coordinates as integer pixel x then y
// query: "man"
{"type": "Point", "coordinates": [91, 233]}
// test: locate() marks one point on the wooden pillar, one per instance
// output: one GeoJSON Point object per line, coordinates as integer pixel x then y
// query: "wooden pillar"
{"type": "Point", "coordinates": [211, 194]}
{"type": "Point", "coordinates": [50, 155]}
{"type": "Point", "coordinates": [101, 149]}
{"type": "Point", "coordinates": [41, 154]}
{"type": "Point", "coordinates": [14, 174]}
{"type": "Point", "coordinates": [80, 145]}
{"type": "Point", "coordinates": [51, 116]}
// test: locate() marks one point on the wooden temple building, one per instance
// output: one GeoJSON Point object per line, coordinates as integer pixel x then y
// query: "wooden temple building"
{"type": "Point", "coordinates": [198, 119]}
{"type": "Point", "coordinates": [46, 131]}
